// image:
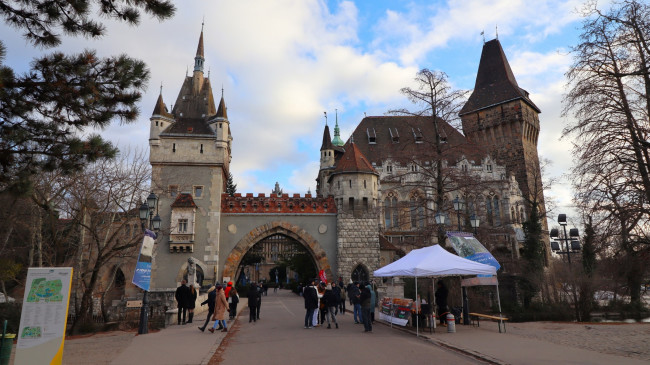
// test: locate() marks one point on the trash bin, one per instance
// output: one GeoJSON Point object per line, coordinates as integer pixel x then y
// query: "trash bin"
{"type": "Point", "coordinates": [5, 348]}
{"type": "Point", "coordinates": [451, 323]}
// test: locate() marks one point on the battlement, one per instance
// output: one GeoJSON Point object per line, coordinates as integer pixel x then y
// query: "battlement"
{"type": "Point", "coordinates": [281, 204]}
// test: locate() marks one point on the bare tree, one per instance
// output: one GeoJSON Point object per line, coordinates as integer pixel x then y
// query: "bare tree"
{"type": "Point", "coordinates": [609, 97]}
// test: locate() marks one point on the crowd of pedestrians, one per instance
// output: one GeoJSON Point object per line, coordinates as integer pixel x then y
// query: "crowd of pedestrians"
{"type": "Point", "coordinates": [324, 301]}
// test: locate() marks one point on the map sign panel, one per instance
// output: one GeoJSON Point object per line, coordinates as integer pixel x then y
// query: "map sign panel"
{"type": "Point", "coordinates": [44, 316]}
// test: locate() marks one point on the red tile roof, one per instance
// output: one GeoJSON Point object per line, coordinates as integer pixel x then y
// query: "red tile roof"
{"type": "Point", "coordinates": [353, 160]}
{"type": "Point", "coordinates": [184, 200]}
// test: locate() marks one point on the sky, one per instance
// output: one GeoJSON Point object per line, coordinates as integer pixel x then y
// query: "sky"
{"type": "Point", "coordinates": [283, 63]}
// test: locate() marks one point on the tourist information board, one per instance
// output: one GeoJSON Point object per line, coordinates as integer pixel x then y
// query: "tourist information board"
{"type": "Point", "coordinates": [41, 333]}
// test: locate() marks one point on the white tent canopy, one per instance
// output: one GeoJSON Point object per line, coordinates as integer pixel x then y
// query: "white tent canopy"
{"type": "Point", "coordinates": [434, 261]}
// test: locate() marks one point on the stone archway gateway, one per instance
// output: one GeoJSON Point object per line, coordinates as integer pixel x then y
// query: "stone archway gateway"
{"type": "Point", "coordinates": [271, 228]}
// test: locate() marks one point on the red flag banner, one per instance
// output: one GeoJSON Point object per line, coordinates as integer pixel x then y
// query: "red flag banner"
{"type": "Point", "coordinates": [322, 276]}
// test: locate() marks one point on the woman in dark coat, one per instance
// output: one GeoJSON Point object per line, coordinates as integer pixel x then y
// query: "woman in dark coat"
{"type": "Point", "coordinates": [253, 299]}
{"type": "Point", "coordinates": [192, 303]}
{"type": "Point", "coordinates": [211, 301]}
{"type": "Point", "coordinates": [233, 301]}
{"type": "Point", "coordinates": [441, 301]}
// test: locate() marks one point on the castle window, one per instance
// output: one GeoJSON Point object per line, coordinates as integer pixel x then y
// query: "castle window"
{"type": "Point", "coordinates": [389, 169]}
{"type": "Point", "coordinates": [162, 124]}
{"type": "Point", "coordinates": [365, 203]}
{"type": "Point", "coordinates": [156, 123]}
{"type": "Point", "coordinates": [414, 168]}
{"type": "Point", "coordinates": [220, 125]}
{"type": "Point", "coordinates": [351, 203]}
{"type": "Point", "coordinates": [364, 184]}
{"type": "Point", "coordinates": [201, 147]}
{"type": "Point", "coordinates": [338, 184]}
{"type": "Point", "coordinates": [173, 147]}
{"type": "Point", "coordinates": [372, 136]}
{"type": "Point", "coordinates": [497, 213]}
{"type": "Point", "coordinates": [394, 136]}
{"type": "Point", "coordinates": [182, 226]}
{"type": "Point", "coordinates": [488, 168]}
{"type": "Point", "coordinates": [350, 183]}
{"type": "Point", "coordinates": [464, 167]}
{"type": "Point", "coordinates": [198, 191]}
{"type": "Point", "coordinates": [417, 212]}
{"type": "Point", "coordinates": [488, 210]}
{"type": "Point", "coordinates": [390, 212]}
{"type": "Point", "coordinates": [173, 190]}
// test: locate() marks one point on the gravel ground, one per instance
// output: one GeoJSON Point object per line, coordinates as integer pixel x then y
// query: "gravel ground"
{"type": "Point", "coordinates": [617, 339]}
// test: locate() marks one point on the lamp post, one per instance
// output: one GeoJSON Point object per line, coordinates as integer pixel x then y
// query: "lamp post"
{"type": "Point", "coordinates": [474, 221]}
{"type": "Point", "coordinates": [440, 221]}
{"type": "Point", "coordinates": [458, 206]}
{"type": "Point", "coordinates": [572, 236]}
{"type": "Point", "coordinates": [146, 211]}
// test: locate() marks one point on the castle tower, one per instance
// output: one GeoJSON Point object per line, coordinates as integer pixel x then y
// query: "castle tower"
{"type": "Point", "coordinates": [354, 184]}
{"type": "Point", "coordinates": [500, 115]}
{"type": "Point", "coordinates": [190, 152]}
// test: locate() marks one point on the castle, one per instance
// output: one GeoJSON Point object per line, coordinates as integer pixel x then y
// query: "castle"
{"type": "Point", "coordinates": [374, 192]}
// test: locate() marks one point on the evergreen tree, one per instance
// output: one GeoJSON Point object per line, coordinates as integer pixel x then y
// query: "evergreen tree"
{"type": "Point", "coordinates": [43, 110]}
{"type": "Point", "coordinates": [533, 255]}
{"type": "Point", "coordinates": [231, 187]}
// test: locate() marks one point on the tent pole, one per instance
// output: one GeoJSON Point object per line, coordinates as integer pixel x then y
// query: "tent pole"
{"type": "Point", "coordinates": [392, 298]}
{"type": "Point", "coordinates": [499, 301]}
{"type": "Point", "coordinates": [417, 322]}
{"type": "Point", "coordinates": [434, 305]}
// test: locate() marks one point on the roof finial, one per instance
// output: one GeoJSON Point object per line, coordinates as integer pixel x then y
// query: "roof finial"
{"type": "Point", "coordinates": [337, 141]}
{"type": "Point", "coordinates": [222, 91]}
{"type": "Point", "coordinates": [202, 23]}
{"type": "Point", "coordinates": [161, 88]}
{"type": "Point", "coordinates": [496, 28]}
{"type": "Point", "coordinates": [337, 116]}
{"type": "Point", "coordinates": [187, 69]}
{"type": "Point", "coordinates": [483, 34]}
{"type": "Point", "coordinates": [325, 118]}
{"type": "Point", "coordinates": [208, 72]}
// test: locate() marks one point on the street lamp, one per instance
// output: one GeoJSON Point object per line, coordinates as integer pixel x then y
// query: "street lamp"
{"type": "Point", "coordinates": [458, 206]}
{"type": "Point", "coordinates": [440, 221]}
{"type": "Point", "coordinates": [571, 237]}
{"type": "Point", "coordinates": [474, 221]}
{"type": "Point", "coordinates": [146, 213]}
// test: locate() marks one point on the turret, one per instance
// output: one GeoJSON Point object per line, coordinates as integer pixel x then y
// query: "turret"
{"type": "Point", "coordinates": [326, 150]}
{"type": "Point", "coordinates": [198, 66]}
{"type": "Point", "coordinates": [160, 119]}
{"type": "Point", "coordinates": [337, 141]}
{"type": "Point", "coordinates": [354, 182]}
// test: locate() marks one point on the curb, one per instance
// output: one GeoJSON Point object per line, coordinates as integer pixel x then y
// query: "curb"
{"type": "Point", "coordinates": [464, 351]}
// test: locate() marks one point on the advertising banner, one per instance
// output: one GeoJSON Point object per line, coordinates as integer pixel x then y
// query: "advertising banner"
{"type": "Point", "coordinates": [467, 246]}
{"type": "Point", "coordinates": [41, 333]}
{"type": "Point", "coordinates": [142, 275]}
{"type": "Point", "coordinates": [396, 310]}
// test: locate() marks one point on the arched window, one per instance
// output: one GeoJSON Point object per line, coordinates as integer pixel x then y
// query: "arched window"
{"type": "Point", "coordinates": [488, 210]}
{"type": "Point", "coordinates": [497, 213]}
{"type": "Point", "coordinates": [513, 216]}
{"type": "Point", "coordinates": [417, 212]}
{"type": "Point", "coordinates": [390, 211]}
{"type": "Point", "coordinates": [523, 215]}
{"type": "Point", "coordinates": [359, 274]}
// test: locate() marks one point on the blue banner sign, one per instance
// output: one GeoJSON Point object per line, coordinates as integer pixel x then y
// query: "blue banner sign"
{"type": "Point", "coordinates": [142, 275]}
{"type": "Point", "coordinates": [467, 246]}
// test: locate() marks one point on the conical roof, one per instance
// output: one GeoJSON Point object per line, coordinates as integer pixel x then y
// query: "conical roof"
{"type": "Point", "coordinates": [160, 108]}
{"type": "Point", "coordinates": [495, 82]}
{"type": "Point", "coordinates": [327, 140]}
{"type": "Point", "coordinates": [222, 110]}
{"type": "Point", "coordinates": [199, 49]}
{"type": "Point", "coordinates": [353, 160]}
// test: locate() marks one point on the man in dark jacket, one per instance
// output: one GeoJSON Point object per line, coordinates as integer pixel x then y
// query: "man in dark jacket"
{"type": "Point", "coordinates": [183, 299]}
{"type": "Point", "coordinates": [441, 301]}
{"type": "Point", "coordinates": [311, 303]}
{"type": "Point", "coordinates": [337, 294]}
{"type": "Point", "coordinates": [331, 302]}
{"type": "Point", "coordinates": [253, 300]}
{"type": "Point", "coordinates": [366, 307]}
{"type": "Point", "coordinates": [211, 301]}
{"type": "Point", "coordinates": [354, 297]}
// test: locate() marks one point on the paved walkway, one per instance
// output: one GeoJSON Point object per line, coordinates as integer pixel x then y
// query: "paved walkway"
{"type": "Point", "coordinates": [279, 335]}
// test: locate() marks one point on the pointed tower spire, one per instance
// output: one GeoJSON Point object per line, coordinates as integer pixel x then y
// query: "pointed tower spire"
{"type": "Point", "coordinates": [199, 59]}
{"type": "Point", "coordinates": [337, 141]}
{"type": "Point", "coordinates": [222, 110]}
{"type": "Point", "coordinates": [327, 139]}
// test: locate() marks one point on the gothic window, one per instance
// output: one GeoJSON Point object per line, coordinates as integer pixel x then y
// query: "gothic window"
{"type": "Point", "coordinates": [359, 274]}
{"type": "Point", "coordinates": [488, 210]}
{"type": "Point", "coordinates": [497, 213]}
{"type": "Point", "coordinates": [182, 226]}
{"type": "Point", "coordinates": [390, 211]}
{"type": "Point", "coordinates": [417, 212]}
{"type": "Point", "coordinates": [389, 169]}
{"type": "Point", "coordinates": [489, 168]}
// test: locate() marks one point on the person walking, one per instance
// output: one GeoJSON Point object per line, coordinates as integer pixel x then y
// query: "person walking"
{"type": "Point", "coordinates": [344, 298]}
{"type": "Point", "coordinates": [191, 303]}
{"type": "Point", "coordinates": [253, 299]}
{"type": "Point", "coordinates": [260, 292]}
{"type": "Point", "coordinates": [337, 294]}
{"type": "Point", "coordinates": [228, 289]}
{"type": "Point", "coordinates": [182, 299]}
{"type": "Point", "coordinates": [220, 311]}
{"type": "Point", "coordinates": [211, 301]}
{"type": "Point", "coordinates": [355, 293]}
{"type": "Point", "coordinates": [311, 303]}
{"type": "Point", "coordinates": [441, 301]}
{"type": "Point", "coordinates": [373, 303]}
{"type": "Point", "coordinates": [365, 299]}
{"type": "Point", "coordinates": [331, 302]}
{"type": "Point", "coordinates": [233, 301]}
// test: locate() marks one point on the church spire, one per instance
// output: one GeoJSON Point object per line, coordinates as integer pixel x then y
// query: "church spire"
{"type": "Point", "coordinates": [199, 59]}
{"type": "Point", "coordinates": [337, 141]}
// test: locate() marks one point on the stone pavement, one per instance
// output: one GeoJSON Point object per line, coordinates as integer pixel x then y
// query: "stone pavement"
{"type": "Point", "coordinates": [525, 343]}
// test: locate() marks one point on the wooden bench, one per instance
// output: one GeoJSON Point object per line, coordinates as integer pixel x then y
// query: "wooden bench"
{"type": "Point", "coordinates": [477, 316]}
